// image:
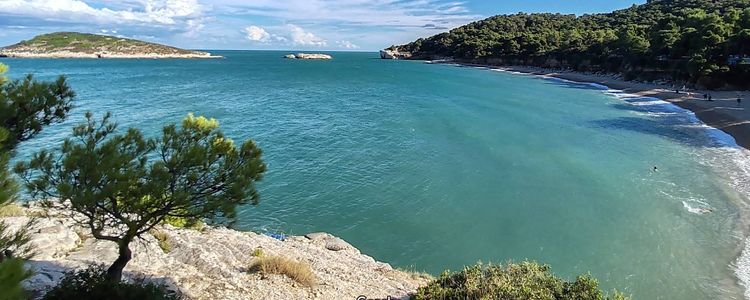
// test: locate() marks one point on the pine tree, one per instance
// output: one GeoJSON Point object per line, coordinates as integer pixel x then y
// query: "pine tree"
{"type": "Point", "coordinates": [120, 186]}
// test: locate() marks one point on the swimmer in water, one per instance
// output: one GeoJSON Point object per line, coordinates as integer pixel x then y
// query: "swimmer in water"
{"type": "Point", "coordinates": [656, 169]}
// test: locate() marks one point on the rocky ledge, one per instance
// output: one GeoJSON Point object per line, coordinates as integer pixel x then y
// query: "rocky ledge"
{"type": "Point", "coordinates": [309, 56]}
{"type": "Point", "coordinates": [213, 262]}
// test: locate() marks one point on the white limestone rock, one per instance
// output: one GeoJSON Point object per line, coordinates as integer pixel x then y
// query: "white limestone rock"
{"type": "Point", "coordinates": [317, 56]}
{"type": "Point", "coordinates": [213, 263]}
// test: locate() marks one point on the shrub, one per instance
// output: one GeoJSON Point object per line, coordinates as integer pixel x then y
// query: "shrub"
{"type": "Point", "coordinates": [527, 280]}
{"type": "Point", "coordinates": [297, 271]}
{"type": "Point", "coordinates": [92, 284]}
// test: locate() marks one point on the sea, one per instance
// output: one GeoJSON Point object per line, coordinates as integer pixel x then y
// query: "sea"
{"type": "Point", "coordinates": [432, 167]}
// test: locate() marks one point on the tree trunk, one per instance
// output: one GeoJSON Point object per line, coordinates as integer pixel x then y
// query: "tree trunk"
{"type": "Point", "coordinates": [114, 272]}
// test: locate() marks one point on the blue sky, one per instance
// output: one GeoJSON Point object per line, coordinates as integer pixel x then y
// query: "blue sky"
{"type": "Point", "coordinates": [269, 24]}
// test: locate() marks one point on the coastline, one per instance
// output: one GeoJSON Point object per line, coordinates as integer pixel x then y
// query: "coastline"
{"type": "Point", "coordinates": [723, 113]}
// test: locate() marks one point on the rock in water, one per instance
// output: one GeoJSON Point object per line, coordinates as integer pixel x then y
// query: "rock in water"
{"type": "Point", "coordinates": [309, 56]}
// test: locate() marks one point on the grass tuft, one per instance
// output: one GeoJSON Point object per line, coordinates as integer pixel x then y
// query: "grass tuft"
{"type": "Point", "coordinates": [258, 252]}
{"type": "Point", "coordinates": [416, 274]}
{"type": "Point", "coordinates": [163, 240]}
{"type": "Point", "coordinates": [11, 210]}
{"type": "Point", "coordinates": [297, 271]}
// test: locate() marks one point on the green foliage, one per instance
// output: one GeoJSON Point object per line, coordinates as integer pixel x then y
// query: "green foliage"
{"type": "Point", "coordinates": [7, 184]}
{"type": "Point", "coordinates": [92, 284]}
{"type": "Point", "coordinates": [659, 38]}
{"type": "Point", "coordinates": [12, 272]}
{"type": "Point", "coordinates": [16, 242]}
{"type": "Point", "coordinates": [189, 223]}
{"type": "Point", "coordinates": [3, 69]}
{"type": "Point", "coordinates": [27, 105]}
{"type": "Point", "coordinates": [526, 280]}
{"type": "Point", "coordinates": [125, 184]}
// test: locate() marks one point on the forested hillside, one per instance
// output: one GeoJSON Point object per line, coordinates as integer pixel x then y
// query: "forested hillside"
{"type": "Point", "coordinates": [698, 41]}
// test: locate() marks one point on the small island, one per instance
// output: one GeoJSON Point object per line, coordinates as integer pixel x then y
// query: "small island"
{"type": "Point", "coordinates": [318, 56]}
{"type": "Point", "coordinates": [86, 45]}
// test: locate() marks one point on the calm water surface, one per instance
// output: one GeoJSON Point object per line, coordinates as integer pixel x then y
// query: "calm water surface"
{"type": "Point", "coordinates": [431, 167]}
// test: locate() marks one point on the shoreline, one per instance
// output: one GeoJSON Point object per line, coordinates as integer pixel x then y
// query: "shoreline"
{"type": "Point", "coordinates": [722, 113]}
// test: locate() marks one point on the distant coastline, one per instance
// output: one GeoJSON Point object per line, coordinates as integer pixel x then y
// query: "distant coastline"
{"type": "Point", "coordinates": [86, 45]}
{"type": "Point", "coordinates": [68, 54]}
{"type": "Point", "coordinates": [722, 113]}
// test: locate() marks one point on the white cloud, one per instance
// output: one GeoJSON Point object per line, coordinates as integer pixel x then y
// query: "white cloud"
{"type": "Point", "coordinates": [347, 45]}
{"type": "Point", "coordinates": [291, 35]}
{"type": "Point", "coordinates": [257, 34]}
{"type": "Point", "coordinates": [141, 12]}
{"type": "Point", "coordinates": [341, 24]}
{"type": "Point", "coordinates": [166, 11]}
{"type": "Point", "coordinates": [390, 13]}
{"type": "Point", "coordinates": [300, 37]}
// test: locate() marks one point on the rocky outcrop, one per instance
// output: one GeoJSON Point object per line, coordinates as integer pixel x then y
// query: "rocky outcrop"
{"type": "Point", "coordinates": [394, 53]}
{"type": "Point", "coordinates": [309, 56]}
{"type": "Point", "coordinates": [213, 263]}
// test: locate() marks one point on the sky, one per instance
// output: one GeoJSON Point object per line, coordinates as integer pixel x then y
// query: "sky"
{"type": "Point", "coordinates": [343, 25]}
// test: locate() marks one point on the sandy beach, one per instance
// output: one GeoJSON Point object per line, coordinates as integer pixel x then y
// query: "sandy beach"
{"type": "Point", "coordinates": [723, 112]}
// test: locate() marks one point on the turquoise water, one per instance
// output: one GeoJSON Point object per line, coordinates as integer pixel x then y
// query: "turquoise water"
{"type": "Point", "coordinates": [431, 167]}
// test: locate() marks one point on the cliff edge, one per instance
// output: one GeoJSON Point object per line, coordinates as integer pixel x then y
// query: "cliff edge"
{"type": "Point", "coordinates": [213, 263]}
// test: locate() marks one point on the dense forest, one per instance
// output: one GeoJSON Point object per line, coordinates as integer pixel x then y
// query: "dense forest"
{"type": "Point", "coordinates": [701, 42]}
